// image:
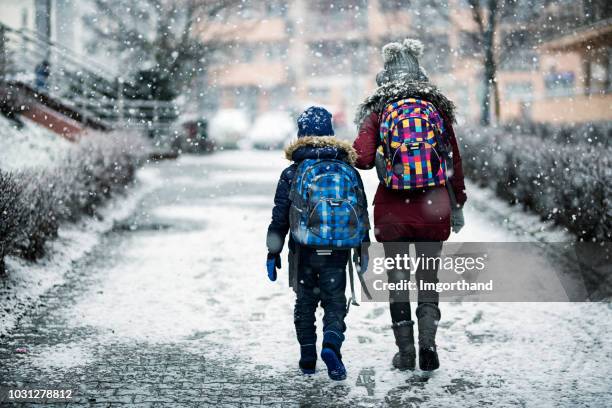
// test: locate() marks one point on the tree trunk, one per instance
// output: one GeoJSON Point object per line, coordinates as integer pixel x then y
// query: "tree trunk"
{"type": "Point", "coordinates": [488, 78]}
{"type": "Point", "coordinates": [490, 68]}
{"type": "Point", "coordinates": [3, 53]}
{"type": "Point", "coordinates": [496, 99]}
{"type": "Point", "coordinates": [484, 103]}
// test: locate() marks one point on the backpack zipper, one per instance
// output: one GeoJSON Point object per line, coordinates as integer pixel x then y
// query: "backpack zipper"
{"type": "Point", "coordinates": [418, 143]}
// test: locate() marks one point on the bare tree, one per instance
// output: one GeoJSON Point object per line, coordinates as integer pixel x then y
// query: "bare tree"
{"type": "Point", "coordinates": [507, 28]}
{"type": "Point", "coordinates": [169, 38]}
{"type": "Point", "coordinates": [485, 14]}
{"type": "Point", "coordinates": [490, 17]}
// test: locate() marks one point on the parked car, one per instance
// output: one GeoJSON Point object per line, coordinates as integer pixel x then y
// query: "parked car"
{"type": "Point", "coordinates": [195, 137]}
{"type": "Point", "coordinates": [272, 130]}
{"type": "Point", "coordinates": [227, 127]}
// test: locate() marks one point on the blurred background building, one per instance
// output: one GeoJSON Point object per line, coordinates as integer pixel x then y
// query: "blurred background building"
{"type": "Point", "coordinates": [60, 21]}
{"type": "Point", "coordinates": [552, 57]}
{"type": "Point", "coordinates": [553, 66]}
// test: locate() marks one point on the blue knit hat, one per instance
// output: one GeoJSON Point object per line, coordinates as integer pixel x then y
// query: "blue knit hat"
{"type": "Point", "coordinates": [315, 121]}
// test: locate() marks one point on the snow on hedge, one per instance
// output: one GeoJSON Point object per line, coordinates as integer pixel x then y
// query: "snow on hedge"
{"type": "Point", "coordinates": [29, 146]}
{"type": "Point", "coordinates": [563, 173]}
{"type": "Point", "coordinates": [35, 200]}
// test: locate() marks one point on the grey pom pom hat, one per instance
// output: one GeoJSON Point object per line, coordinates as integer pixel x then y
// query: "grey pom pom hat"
{"type": "Point", "coordinates": [401, 62]}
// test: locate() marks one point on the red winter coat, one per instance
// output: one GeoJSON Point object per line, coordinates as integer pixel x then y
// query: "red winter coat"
{"type": "Point", "coordinates": [421, 214]}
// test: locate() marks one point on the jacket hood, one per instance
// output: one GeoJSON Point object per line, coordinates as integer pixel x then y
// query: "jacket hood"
{"type": "Point", "coordinates": [321, 147]}
{"type": "Point", "coordinates": [396, 90]}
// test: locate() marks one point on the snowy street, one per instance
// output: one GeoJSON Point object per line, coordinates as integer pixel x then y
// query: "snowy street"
{"type": "Point", "coordinates": [141, 164]}
{"type": "Point", "coordinates": [173, 308]}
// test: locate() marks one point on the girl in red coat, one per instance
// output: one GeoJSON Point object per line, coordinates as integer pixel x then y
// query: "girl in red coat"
{"type": "Point", "coordinates": [423, 216]}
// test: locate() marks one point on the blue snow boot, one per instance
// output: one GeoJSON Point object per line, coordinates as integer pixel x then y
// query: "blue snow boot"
{"type": "Point", "coordinates": [308, 358]}
{"type": "Point", "coordinates": [332, 357]}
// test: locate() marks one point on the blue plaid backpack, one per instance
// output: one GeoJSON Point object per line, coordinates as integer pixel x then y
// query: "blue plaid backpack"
{"type": "Point", "coordinates": [328, 205]}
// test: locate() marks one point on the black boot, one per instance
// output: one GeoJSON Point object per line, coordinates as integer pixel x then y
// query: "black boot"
{"type": "Point", "coordinates": [405, 358]}
{"type": "Point", "coordinates": [308, 359]}
{"type": "Point", "coordinates": [429, 316]}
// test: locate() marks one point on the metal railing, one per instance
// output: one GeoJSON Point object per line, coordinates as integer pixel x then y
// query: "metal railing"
{"type": "Point", "coordinates": [78, 83]}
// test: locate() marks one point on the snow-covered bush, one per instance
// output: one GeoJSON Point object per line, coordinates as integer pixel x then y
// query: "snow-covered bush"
{"type": "Point", "coordinates": [26, 144]}
{"type": "Point", "coordinates": [102, 166]}
{"type": "Point", "coordinates": [34, 201]}
{"type": "Point", "coordinates": [560, 173]}
{"type": "Point", "coordinates": [592, 133]}
{"type": "Point", "coordinates": [10, 200]}
{"type": "Point", "coordinates": [38, 221]}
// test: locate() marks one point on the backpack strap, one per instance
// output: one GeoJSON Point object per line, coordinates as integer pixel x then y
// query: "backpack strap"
{"type": "Point", "coordinates": [353, 299]}
{"type": "Point", "coordinates": [364, 197]}
{"type": "Point", "coordinates": [445, 149]}
{"type": "Point", "coordinates": [442, 146]}
{"type": "Point", "coordinates": [364, 287]}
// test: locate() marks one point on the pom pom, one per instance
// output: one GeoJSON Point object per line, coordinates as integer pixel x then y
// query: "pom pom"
{"type": "Point", "coordinates": [390, 51]}
{"type": "Point", "coordinates": [414, 47]}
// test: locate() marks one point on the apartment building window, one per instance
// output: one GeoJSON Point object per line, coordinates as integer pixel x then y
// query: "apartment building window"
{"type": "Point", "coordinates": [519, 60]}
{"type": "Point", "coordinates": [248, 53]}
{"type": "Point", "coordinates": [426, 14]}
{"type": "Point", "coordinates": [209, 97]}
{"type": "Point", "coordinates": [438, 59]}
{"type": "Point", "coordinates": [338, 15]}
{"type": "Point", "coordinates": [337, 57]}
{"type": "Point", "coordinates": [391, 6]}
{"type": "Point", "coordinates": [599, 75]}
{"type": "Point", "coordinates": [597, 10]}
{"type": "Point", "coordinates": [559, 83]}
{"type": "Point", "coordinates": [609, 69]}
{"type": "Point", "coordinates": [247, 11]}
{"type": "Point", "coordinates": [245, 97]}
{"type": "Point", "coordinates": [468, 44]}
{"type": "Point", "coordinates": [276, 51]}
{"type": "Point", "coordinates": [516, 51]}
{"type": "Point", "coordinates": [518, 91]}
{"type": "Point", "coordinates": [319, 94]}
{"type": "Point", "coordinates": [276, 8]}
{"type": "Point", "coordinates": [280, 97]}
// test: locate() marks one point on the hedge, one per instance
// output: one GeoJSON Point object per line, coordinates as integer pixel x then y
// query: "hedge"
{"type": "Point", "coordinates": [34, 202]}
{"type": "Point", "coordinates": [562, 173]}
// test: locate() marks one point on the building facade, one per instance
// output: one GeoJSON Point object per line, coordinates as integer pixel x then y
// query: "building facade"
{"type": "Point", "coordinates": [60, 21]}
{"type": "Point", "coordinates": [553, 65]}
{"type": "Point", "coordinates": [287, 55]}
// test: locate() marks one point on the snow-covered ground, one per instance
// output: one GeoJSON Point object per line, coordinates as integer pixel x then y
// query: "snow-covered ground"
{"type": "Point", "coordinates": [26, 281]}
{"type": "Point", "coordinates": [184, 275]}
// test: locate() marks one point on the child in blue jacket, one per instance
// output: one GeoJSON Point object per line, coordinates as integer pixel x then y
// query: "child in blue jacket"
{"type": "Point", "coordinates": [315, 275]}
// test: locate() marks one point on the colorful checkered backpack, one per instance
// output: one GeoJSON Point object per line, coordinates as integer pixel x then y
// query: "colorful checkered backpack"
{"type": "Point", "coordinates": [412, 150]}
{"type": "Point", "coordinates": [328, 205]}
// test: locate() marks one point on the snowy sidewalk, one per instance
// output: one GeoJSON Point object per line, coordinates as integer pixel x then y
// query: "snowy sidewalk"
{"type": "Point", "coordinates": [173, 308]}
